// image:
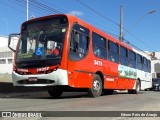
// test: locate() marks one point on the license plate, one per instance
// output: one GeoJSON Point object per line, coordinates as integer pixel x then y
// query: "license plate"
{"type": "Point", "coordinates": [32, 79]}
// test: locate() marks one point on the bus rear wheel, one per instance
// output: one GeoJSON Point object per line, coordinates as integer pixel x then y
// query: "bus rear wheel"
{"type": "Point", "coordinates": [55, 92]}
{"type": "Point", "coordinates": [137, 90]}
{"type": "Point", "coordinates": [96, 89]}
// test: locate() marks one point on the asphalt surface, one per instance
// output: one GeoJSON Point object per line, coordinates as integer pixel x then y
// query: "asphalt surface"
{"type": "Point", "coordinates": [30, 99]}
{"type": "Point", "coordinates": [73, 101]}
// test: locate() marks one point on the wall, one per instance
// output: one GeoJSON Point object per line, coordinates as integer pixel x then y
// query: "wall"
{"type": "Point", "coordinates": [156, 66]}
{"type": "Point", "coordinates": [6, 56]}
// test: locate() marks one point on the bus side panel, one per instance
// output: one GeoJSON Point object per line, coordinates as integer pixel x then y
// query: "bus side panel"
{"type": "Point", "coordinates": [79, 73]}
{"type": "Point", "coordinates": [110, 82]}
{"type": "Point", "coordinates": [82, 80]}
{"type": "Point", "coordinates": [145, 78]}
{"type": "Point", "coordinates": [119, 83]}
{"type": "Point", "coordinates": [111, 72]}
{"type": "Point", "coordinates": [122, 83]}
{"type": "Point", "coordinates": [130, 83]}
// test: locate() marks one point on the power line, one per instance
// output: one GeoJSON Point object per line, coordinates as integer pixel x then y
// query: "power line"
{"type": "Point", "coordinates": [139, 19]}
{"type": "Point", "coordinates": [11, 6]}
{"type": "Point", "coordinates": [64, 11]}
{"type": "Point", "coordinates": [34, 7]}
{"type": "Point", "coordinates": [37, 7]}
{"type": "Point", "coordinates": [134, 46]}
{"type": "Point", "coordinates": [140, 40]}
{"type": "Point", "coordinates": [98, 13]}
{"type": "Point", "coordinates": [43, 6]}
{"type": "Point", "coordinates": [115, 24]}
{"type": "Point", "coordinates": [32, 4]}
{"type": "Point", "coordinates": [21, 3]}
{"type": "Point", "coordinates": [80, 17]}
{"type": "Point", "coordinates": [85, 19]}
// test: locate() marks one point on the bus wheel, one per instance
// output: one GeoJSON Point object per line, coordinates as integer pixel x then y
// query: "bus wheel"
{"type": "Point", "coordinates": [96, 89]}
{"type": "Point", "coordinates": [137, 90]}
{"type": "Point", "coordinates": [56, 92]}
{"type": "Point", "coordinates": [108, 92]}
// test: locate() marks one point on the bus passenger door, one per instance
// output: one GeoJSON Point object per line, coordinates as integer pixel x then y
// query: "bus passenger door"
{"type": "Point", "coordinates": [78, 65]}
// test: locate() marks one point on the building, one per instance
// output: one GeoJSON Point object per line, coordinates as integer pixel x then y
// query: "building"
{"type": "Point", "coordinates": [6, 55]}
{"type": "Point", "coordinates": [6, 60]}
{"type": "Point", "coordinates": [155, 66]}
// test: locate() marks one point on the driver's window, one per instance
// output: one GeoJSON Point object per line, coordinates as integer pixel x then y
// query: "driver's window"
{"type": "Point", "coordinates": [74, 41]}
{"type": "Point", "coordinates": [79, 42]}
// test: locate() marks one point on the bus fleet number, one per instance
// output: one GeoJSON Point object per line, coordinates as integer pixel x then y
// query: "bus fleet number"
{"type": "Point", "coordinates": [97, 62]}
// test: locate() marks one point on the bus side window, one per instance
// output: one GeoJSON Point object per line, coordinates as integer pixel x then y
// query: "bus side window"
{"type": "Point", "coordinates": [99, 46]}
{"type": "Point", "coordinates": [149, 66]}
{"type": "Point", "coordinates": [97, 51]}
{"type": "Point", "coordinates": [79, 45]}
{"type": "Point", "coordinates": [139, 62]}
{"type": "Point", "coordinates": [124, 56]}
{"type": "Point", "coordinates": [71, 41]}
{"type": "Point", "coordinates": [145, 64]}
{"type": "Point", "coordinates": [113, 51]}
{"type": "Point", "coordinates": [74, 41]}
{"type": "Point", "coordinates": [132, 59]}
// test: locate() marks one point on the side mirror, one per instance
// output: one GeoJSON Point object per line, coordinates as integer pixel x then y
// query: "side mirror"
{"type": "Point", "coordinates": [12, 41]}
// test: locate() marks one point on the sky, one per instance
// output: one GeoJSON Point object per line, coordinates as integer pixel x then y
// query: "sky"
{"type": "Point", "coordinates": [139, 27]}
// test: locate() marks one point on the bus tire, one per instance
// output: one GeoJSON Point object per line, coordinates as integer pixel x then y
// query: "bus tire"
{"type": "Point", "coordinates": [96, 89]}
{"type": "Point", "coordinates": [55, 92]}
{"type": "Point", "coordinates": [108, 92]}
{"type": "Point", "coordinates": [137, 90]}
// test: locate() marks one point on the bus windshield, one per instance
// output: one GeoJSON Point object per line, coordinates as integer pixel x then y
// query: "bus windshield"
{"type": "Point", "coordinates": [41, 42]}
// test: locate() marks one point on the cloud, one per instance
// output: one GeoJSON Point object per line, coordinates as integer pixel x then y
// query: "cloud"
{"type": "Point", "coordinates": [76, 13]}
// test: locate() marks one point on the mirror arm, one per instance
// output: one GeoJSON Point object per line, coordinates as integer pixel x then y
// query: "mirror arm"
{"type": "Point", "coordinates": [9, 41]}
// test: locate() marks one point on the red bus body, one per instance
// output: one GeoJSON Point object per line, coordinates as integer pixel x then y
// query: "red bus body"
{"type": "Point", "coordinates": [78, 73]}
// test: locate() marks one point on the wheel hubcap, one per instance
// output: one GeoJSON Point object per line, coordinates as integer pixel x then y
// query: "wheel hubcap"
{"type": "Point", "coordinates": [96, 86]}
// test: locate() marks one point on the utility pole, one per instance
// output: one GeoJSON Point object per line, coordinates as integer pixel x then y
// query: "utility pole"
{"type": "Point", "coordinates": [121, 24]}
{"type": "Point", "coordinates": [27, 9]}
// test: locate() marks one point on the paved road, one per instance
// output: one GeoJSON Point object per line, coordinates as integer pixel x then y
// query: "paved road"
{"type": "Point", "coordinates": [41, 101]}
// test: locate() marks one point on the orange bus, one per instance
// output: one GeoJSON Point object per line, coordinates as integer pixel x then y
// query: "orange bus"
{"type": "Point", "coordinates": [62, 51]}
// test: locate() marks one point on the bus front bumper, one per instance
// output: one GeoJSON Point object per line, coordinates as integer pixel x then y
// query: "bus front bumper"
{"type": "Point", "coordinates": [58, 77]}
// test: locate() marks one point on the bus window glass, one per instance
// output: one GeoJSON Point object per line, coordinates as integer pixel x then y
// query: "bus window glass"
{"type": "Point", "coordinates": [123, 56]}
{"type": "Point", "coordinates": [41, 40]}
{"type": "Point", "coordinates": [79, 42]}
{"type": "Point", "coordinates": [149, 66]}
{"type": "Point", "coordinates": [99, 46]}
{"type": "Point", "coordinates": [99, 40]}
{"type": "Point", "coordinates": [145, 64]}
{"type": "Point", "coordinates": [139, 62]}
{"type": "Point", "coordinates": [132, 59]}
{"type": "Point", "coordinates": [113, 54]}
